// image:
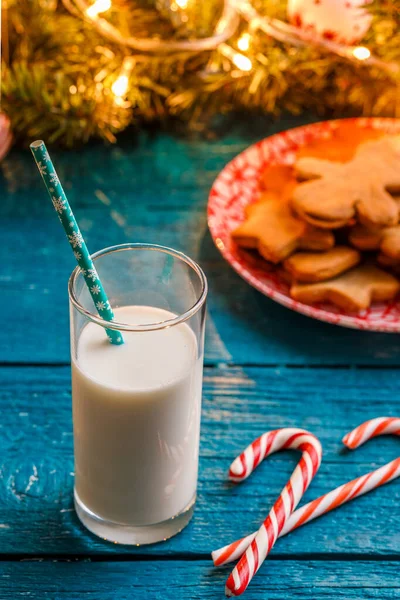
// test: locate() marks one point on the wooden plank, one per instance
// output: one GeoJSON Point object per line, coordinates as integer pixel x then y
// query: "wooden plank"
{"type": "Point", "coordinates": [155, 580]}
{"type": "Point", "coordinates": [152, 191]}
{"type": "Point", "coordinates": [36, 461]}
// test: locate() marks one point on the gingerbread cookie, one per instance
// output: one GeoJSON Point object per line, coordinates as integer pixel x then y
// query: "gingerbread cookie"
{"type": "Point", "coordinates": [355, 189]}
{"type": "Point", "coordinates": [387, 240]}
{"type": "Point", "coordinates": [352, 291]}
{"type": "Point", "coordinates": [387, 262]}
{"type": "Point", "coordinates": [363, 238]}
{"type": "Point", "coordinates": [273, 229]}
{"type": "Point", "coordinates": [309, 267]}
{"type": "Point", "coordinates": [390, 244]}
{"type": "Point", "coordinates": [392, 264]}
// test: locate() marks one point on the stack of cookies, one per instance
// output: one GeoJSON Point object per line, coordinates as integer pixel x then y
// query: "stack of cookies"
{"type": "Point", "coordinates": [330, 223]}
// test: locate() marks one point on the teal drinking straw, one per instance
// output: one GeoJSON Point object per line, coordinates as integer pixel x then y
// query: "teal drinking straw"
{"type": "Point", "coordinates": [60, 203]}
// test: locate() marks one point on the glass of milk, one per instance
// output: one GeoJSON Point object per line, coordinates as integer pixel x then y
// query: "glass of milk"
{"type": "Point", "coordinates": [136, 406]}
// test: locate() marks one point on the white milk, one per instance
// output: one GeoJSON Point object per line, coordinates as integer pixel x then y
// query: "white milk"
{"type": "Point", "coordinates": [136, 412]}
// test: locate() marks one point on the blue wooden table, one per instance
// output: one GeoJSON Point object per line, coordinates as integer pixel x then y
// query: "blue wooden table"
{"type": "Point", "coordinates": [265, 367]}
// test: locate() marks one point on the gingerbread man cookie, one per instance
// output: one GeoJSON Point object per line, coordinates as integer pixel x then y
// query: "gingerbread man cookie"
{"type": "Point", "coordinates": [359, 188]}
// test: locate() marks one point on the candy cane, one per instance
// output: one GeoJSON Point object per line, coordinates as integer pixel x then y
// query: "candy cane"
{"type": "Point", "coordinates": [268, 443]}
{"type": "Point", "coordinates": [342, 494]}
{"type": "Point", "coordinates": [371, 429]}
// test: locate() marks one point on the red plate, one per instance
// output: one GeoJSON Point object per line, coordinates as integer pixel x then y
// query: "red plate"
{"type": "Point", "coordinates": [238, 184]}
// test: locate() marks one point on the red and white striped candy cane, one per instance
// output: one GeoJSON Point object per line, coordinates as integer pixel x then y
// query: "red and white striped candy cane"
{"type": "Point", "coordinates": [268, 443]}
{"type": "Point", "coordinates": [371, 429]}
{"type": "Point", "coordinates": [342, 494]}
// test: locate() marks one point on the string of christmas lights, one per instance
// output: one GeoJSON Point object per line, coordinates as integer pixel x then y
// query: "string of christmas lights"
{"type": "Point", "coordinates": [225, 29]}
{"type": "Point", "coordinates": [76, 69]}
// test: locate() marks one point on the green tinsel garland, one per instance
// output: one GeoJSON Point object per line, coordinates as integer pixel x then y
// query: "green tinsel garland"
{"type": "Point", "coordinates": [51, 86]}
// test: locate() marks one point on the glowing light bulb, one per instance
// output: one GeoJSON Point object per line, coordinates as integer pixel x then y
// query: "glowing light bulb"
{"type": "Point", "coordinates": [361, 53]}
{"type": "Point", "coordinates": [98, 7]}
{"type": "Point", "coordinates": [239, 60]}
{"type": "Point", "coordinates": [243, 42]}
{"type": "Point", "coordinates": [182, 3]}
{"type": "Point", "coordinates": [120, 86]}
{"type": "Point", "coordinates": [242, 62]}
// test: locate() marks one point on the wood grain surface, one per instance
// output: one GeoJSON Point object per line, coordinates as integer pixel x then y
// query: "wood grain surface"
{"type": "Point", "coordinates": [169, 580]}
{"type": "Point", "coordinates": [36, 513]}
{"type": "Point", "coordinates": [154, 190]}
{"type": "Point", "coordinates": [266, 367]}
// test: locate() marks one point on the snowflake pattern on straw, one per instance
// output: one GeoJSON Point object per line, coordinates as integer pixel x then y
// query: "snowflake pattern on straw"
{"type": "Point", "coordinates": [95, 289]}
{"type": "Point", "coordinates": [92, 274]}
{"type": "Point", "coordinates": [119, 338]}
{"type": "Point", "coordinates": [54, 178]}
{"type": "Point", "coordinates": [75, 239]}
{"type": "Point", "coordinates": [77, 255]}
{"type": "Point", "coordinates": [42, 168]}
{"type": "Point", "coordinates": [100, 305]}
{"type": "Point", "coordinates": [59, 204]}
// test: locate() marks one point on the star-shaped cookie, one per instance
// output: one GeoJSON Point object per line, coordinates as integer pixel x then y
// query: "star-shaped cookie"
{"type": "Point", "coordinates": [272, 228]}
{"type": "Point", "coordinates": [352, 291]}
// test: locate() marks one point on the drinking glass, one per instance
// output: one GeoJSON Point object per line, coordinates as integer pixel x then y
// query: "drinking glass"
{"type": "Point", "coordinates": [136, 406]}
